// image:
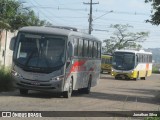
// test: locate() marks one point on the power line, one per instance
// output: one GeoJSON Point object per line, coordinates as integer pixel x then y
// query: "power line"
{"type": "Point", "coordinates": [103, 15]}
{"type": "Point", "coordinates": [94, 10]}
{"type": "Point", "coordinates": [41, 11]}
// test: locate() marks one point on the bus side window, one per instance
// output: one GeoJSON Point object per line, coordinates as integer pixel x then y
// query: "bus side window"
{"type": "Point", "coordinates": [80, 48]}
{"type": "Point", "coordinates": [99, 50]}
{"type": "Point", "coordinates": [95, 50]}
{"type": "Point", "coordinates": [76, 41]}
{"type": "Point", "coordinates": [148, 58]}
{"type": "Point", "coordinates": [90, 48]}
{"type": "Point", "coordinates": [140, 57]}
{"type": "Point", "coordinates": [85, 48]}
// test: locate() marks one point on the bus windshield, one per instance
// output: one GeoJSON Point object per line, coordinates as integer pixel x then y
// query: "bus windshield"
{"type": "Point", "coordinates": [40, 53]}
{"type": "Point", "coordinates": [123, 61]}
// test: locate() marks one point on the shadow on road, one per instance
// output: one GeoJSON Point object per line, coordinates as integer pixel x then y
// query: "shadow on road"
{"type": "Point", "coordinates": [141, 91]}
{"type": "Point", "coordinates": [107, 78]}
{"type": "Point", "coordinates": [32, 94]}
{"type": "Point", "coordinates": [112, 78]}
{"type": "Point", "coordinates": [94, 95]}
{"type": "Point", "coordinates": [38, 94]}
{"type": "Point", "coordinates": [122, 97]}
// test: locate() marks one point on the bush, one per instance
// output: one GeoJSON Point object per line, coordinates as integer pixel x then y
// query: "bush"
{"type": "Point", "coordinates": [155, 70]}
{"type": "Point", "coordinates": [5, 79]}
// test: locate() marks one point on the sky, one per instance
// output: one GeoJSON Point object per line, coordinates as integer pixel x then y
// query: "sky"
{"type": "Point", "coordinates": [75, 14]}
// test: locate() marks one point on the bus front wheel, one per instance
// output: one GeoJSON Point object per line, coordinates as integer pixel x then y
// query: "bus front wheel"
{"type": "Point", "coordinates": [68, 93]}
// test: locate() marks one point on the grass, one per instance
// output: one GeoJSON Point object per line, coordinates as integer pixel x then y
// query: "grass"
{"type": "Point", "coordinates": [155, 70]}
{"type": "Point", "coordinates": [5, 79]}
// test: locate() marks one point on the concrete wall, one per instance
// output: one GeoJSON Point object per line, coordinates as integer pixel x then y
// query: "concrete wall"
{"type": "Point", "coordinates": [5, 40]}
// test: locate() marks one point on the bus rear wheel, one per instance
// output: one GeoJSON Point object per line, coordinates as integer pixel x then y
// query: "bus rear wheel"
{"type": "Point", "coordinates": [87, 90]}
{"type": "Point", "coordinates": [143, 78]}
{"type": "Point", "coordinates": [23, 91]}
{"type": "Point", "coordinates": [68, 93]}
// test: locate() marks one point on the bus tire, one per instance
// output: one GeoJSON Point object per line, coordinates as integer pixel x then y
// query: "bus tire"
{"type": "Point", "coordinates": [143, 78]}
{"type": "Point", "coordinates": [87, 90]}
{"type": "Point", "coordinates": [23, 91]}
{"type": "Point", "coordinates": [68, 93]}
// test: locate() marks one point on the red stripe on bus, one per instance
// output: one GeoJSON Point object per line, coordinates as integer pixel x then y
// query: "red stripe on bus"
{"type": "Point", "coordinates": [147, 66]}
{"type": "Point", "coordinates": [76, 65]}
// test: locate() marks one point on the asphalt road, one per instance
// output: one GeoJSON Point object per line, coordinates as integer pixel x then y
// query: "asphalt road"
{"type": "Point", "coordinates": [108, 95]}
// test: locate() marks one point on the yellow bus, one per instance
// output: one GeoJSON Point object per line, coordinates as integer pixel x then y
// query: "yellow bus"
{"type": "Point", "coordinates": [131, 64]}
{"type": "Point", "coordinates": [106, 63]}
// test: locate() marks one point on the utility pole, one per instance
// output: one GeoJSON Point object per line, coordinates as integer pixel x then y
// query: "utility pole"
{"type": "Point", "coordinates": [90, 15]}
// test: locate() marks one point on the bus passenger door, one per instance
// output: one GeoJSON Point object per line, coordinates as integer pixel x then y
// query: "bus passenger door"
{"type": "Point", "coordinates": [69, 64]}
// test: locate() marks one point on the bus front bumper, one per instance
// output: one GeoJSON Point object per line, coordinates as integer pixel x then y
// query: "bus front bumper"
{"type": "Point", "coordinates": [128, 75]}
{"type": "Point", "coordinates": [48, 86]}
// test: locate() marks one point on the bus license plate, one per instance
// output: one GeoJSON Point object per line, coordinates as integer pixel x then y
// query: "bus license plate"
{"type": "Point", "coordinates": [35, 83]}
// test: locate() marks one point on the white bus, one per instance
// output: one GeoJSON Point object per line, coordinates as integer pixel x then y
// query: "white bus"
{"type": "Point", "coordinates": [55, 59]}
{"type": "Point", "coordinates": [131, 64]}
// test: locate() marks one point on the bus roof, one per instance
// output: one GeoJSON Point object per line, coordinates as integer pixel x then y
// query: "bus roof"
{"type": "Point", "coordinates": [134, 51]}
{"type": "Point", "coordinates": [56, 31]}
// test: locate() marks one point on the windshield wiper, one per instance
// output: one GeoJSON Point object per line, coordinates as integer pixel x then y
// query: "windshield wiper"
{"type": "Point", "coordinates": [42, 70]}
{"type": "Point", "coordinates": [29, 58]}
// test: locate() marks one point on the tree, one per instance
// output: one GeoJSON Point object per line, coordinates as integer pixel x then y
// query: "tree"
{"type": "Point", "coordinates": [13, 16]}
{"type": "Point", "coordinates": [155, 17]}
{"type": "Point", "coordinates": [122, 38]}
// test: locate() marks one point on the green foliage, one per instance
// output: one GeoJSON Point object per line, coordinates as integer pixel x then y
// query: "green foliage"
{"type": "Point", "coordinates": [122, 38]}
{"type": "Point", "coordinates": [5, 79]}
{"type": "Point", "coordinates": [155, 12]}
{"type": "Point", "coordinates": [155, 69]}
{"type": "Point", "coordinates": [13, 16]}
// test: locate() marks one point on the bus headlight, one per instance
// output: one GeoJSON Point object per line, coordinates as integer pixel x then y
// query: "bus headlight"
{"type": "Point", "coordinates": [16, 74]}
{"type": "Point", "coordinates": [58, 78]}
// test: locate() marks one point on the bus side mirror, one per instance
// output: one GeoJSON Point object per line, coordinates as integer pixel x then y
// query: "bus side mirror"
{"type": "Point", "coordinates": [70, 50]}
{"type": "Point", "coordinates": [12, 43]}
